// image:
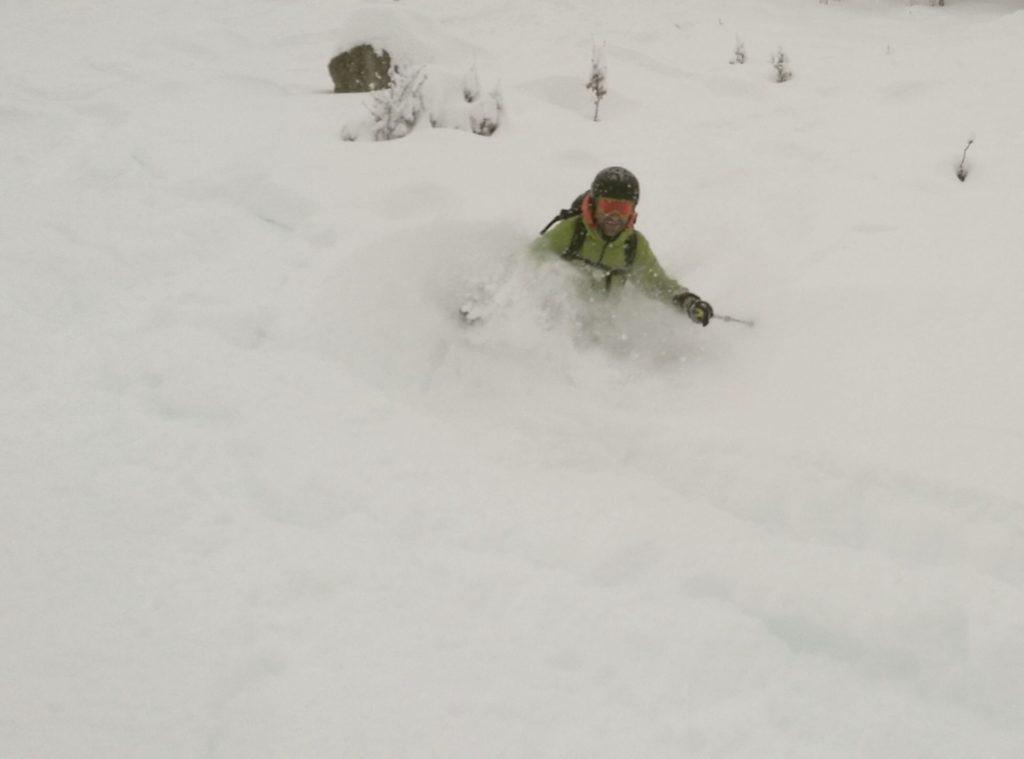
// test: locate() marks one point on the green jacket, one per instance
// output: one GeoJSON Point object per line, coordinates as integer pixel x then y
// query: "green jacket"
{"type": "Point", "coordinates": [610, 256]}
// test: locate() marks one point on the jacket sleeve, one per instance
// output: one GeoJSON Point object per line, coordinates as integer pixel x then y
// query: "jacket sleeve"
{"type": "Point", "coordinates": [650, 277]}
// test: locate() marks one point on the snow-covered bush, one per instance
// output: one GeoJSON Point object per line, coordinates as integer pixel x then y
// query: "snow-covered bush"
{"type": "Point", "coordinates": [598, 74]}
{"type": "Point", "coordinates": [780, 62]}
{"type": "Point", "coordinates": [448, 85]}
{"type": "Point", "coordinates": [396, 110]}
{"type": "Point", "coordinates": [436, 94]}
{"type": "Point", "coordinates": [456, 99]}
{"type": "Point", "coordinates": [477, 111]}
{"type": "Point", "coordinates": [739, 55]}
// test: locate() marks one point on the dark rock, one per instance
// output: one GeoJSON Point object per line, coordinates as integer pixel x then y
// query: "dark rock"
{"type": "Point", "coordinates": [361, 69]}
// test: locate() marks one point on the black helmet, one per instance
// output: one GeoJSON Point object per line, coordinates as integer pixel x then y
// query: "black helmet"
{"type": "Point", "coordinates": [616, 182]}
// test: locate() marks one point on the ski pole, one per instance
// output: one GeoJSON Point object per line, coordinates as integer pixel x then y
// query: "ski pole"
{"type": "Point", "coordinates": [724, 318]}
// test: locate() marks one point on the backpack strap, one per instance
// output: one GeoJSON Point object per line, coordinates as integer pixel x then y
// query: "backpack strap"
{"type": "Point", "coordinates": [631, 245]}
{"type": "Point", "coordinates": [579, 235]}
{"type": "Point", "coordinates": [566, 213]}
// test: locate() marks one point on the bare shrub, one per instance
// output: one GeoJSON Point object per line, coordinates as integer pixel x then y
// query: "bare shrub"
{"type": "Point", "coordinates": [598, 74]}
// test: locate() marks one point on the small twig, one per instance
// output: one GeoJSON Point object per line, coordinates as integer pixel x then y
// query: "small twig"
{"type": "Point", "coordinates": [961, 173]}
{"type": "Point", "coordinates": [598, 74]}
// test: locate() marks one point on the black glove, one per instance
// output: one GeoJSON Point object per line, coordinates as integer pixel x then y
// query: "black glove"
{"type": "Point", "coordinates": [698, 310]}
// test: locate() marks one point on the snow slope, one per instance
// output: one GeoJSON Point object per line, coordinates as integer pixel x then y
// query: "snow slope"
{"type": "Point", "coordinates": [264, 496]}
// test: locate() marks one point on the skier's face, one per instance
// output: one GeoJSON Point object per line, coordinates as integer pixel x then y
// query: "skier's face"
{"type": "Point", "coordinates": [612, 216]}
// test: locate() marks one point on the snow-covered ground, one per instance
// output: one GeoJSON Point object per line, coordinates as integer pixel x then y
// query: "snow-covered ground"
{"type": "Point", "coordinates": [264, 496]}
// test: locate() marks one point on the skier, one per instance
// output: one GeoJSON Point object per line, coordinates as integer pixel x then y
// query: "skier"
{"type": "Point", "coordinates": [597, 232]}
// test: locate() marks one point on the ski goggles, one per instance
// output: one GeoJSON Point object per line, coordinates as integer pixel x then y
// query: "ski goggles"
{"type": "Point", "coordinates": [610, 206]}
